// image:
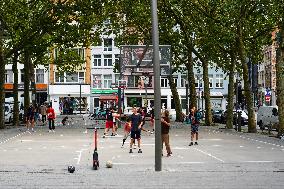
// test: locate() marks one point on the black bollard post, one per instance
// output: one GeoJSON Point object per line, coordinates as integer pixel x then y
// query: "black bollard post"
{"type": "Point", "coordinates": [239, 121]}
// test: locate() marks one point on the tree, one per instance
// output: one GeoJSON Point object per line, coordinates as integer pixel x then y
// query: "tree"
{"type": "Point", "coordinates": [35, 26]}
{"type": "Point", "coordinates": [2, 72]}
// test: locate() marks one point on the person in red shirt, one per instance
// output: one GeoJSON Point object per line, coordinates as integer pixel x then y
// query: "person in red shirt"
{"type": "Point", "coordinates": [51, 117]}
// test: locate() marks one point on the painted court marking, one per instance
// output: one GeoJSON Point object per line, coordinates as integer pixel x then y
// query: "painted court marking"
{"type": "Point", "coordinates": [210, 155]}
{"type": "Point", "coordinates": [8, 139]}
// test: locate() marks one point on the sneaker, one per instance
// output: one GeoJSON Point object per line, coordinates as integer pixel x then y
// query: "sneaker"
{"type": "Point", "coordinates": [112, 134]}
{"type": "Point", "coordinates": [168, 155]}
{"type": "Point", "coordinates": [190, 144]}
{"type": "Point", "coordinates": [152, 132]}
{"type": "Point", "coordinates": [195, 143]}
{"type": "Point", "coordinates": [139, 151]}
{"type": "Point", "coordinates": [130, 151]}
{"type": "Point", "coordinates": [53, 131]}
{"type": "Point", "coordinates": [122, 146]}
{"type": "Point", "coordinates": [33, 131]}
{"type": "Point", "coordinates": [49, 131]}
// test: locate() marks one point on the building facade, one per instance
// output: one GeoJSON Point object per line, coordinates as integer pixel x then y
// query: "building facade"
{"type": "Point", "coordinates": [41, 80]}
{"type": "Point", "coordinates": [65, 90]}
{"type": "Point", "coordinates": [267, 75]}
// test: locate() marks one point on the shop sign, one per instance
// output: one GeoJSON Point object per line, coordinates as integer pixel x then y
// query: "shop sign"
{"type": "Point", "coordinates": [100, 91]}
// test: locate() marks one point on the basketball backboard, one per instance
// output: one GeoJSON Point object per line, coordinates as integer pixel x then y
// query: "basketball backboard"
{"type": "Point", "coordinates": [137, 60]}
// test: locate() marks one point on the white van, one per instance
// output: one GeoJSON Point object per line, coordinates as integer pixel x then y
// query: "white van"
{"type": "Point", "coordinates": [267, 115]}
{"type": "Point", "coordinates": [9, 112]}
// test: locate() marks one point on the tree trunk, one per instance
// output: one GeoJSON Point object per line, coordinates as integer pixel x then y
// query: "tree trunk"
{"type": "Point", "coordinates": [26, 82]}
{"type": "Point", "coordinates": [208, 115]}
{"type": "Point", "coordinates": [15, 90]}
{"type": "Point", "coordinates": [191, 80]}
{"type": "Point", "coordinates": [247, 87]}
{"type": "Point", "coordinates": [230, 107]}
{"type": "Point", "coordinates": [33, 85]}
{"type": "Point", "coordinates": [280, 83]}
{"type": "Point", "coordinates": [179, 114]}
{"type": "Point", "coordinates": [2, 80]}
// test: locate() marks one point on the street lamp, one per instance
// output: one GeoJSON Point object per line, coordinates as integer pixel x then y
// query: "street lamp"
{"type": "Point", "coordinates": [80, 98]}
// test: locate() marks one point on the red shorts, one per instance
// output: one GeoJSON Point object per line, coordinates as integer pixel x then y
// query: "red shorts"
{"type": "Point", "coordinates": [127, 129]}
{"type": "Point", "coordinates": [109, 124]}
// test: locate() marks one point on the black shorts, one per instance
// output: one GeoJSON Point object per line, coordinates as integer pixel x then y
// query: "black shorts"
{"type": "Point", "coordinates": [194, 128]}
{"type": "Point", "coordinates": [135, 134]}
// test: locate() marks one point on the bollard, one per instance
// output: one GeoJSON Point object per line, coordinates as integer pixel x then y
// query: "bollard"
{"type": "Point", "coordinates": [239, 121]}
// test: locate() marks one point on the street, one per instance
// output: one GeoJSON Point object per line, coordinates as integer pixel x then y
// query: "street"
{"type": "Point", "coordinates": [223, 159]}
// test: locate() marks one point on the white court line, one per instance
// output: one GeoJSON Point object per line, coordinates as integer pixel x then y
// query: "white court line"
{"type": "Point", "coordinates": [191, 162]}
{"type": "Point", "coordinates": [79, 157]}
{"type": "Point", "coordinates": [258, 161]}
{"type": "Point", "coordinates": [210, 155]}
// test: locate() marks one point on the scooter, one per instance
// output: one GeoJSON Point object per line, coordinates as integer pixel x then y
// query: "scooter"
{"type": "Point", "coordinates": [95, 154]}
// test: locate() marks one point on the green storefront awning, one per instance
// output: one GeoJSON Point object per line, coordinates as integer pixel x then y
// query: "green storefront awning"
{"type": "Point", "coordinates": [101, 91]}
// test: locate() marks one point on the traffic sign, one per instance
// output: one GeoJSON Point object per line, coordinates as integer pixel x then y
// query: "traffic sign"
{"type": "Point", "coordinates": [268, 93]}
{"type": "Point", "coordinates": [267, 98]}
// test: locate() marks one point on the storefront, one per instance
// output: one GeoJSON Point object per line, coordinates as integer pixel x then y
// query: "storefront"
{"type": "Point", "coordinates": [66, 98]}
{"type": "Point", "coordinates": [103, 99]}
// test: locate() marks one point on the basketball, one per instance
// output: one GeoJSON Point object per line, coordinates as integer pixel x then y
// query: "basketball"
{"type": "Point", "coordinates": [109, 164]}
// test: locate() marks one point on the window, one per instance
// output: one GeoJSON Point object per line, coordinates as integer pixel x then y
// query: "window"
{"type": "Point", "coordinates": [219, 80]}
{"type": "Point", "coordinates": [108, 60]}
{"type": "Point", "coordinates": [107, 44]}
{"type": "Point", "coordinates": [79, 51]}
{"type": "Point", "coordinates": [107, 81]}
{"type": "Point", "coordinates": [183, 80]}
{"type": "Point", "coordinates": [6, 77]}
{"type": "Point", "coordinates": [198, 81]}
{"type": "Point", "coordinates": [39, 75]}
{"type": "Point", "coordinates": [210, 81]}
{"type": "Point", "coordinates": [133, 81]}
{"type": "Point", "coordinates": [59, 78]}
{"type": "Point", "coordinates": [81, 77]}
{"type": "Point", "coordinates": [175, 81]}
{"type": "Point", "coordinates": [164, 82]}
{"type": "Point", "coordinates": [97, 60]}
{"type": "Point", "coordinates": [22, 76]}
{"type": "Point", "coordinates": [97, 81]}
{"type": "Point", "coordinates": [71, 77]}
{"type": "Point", "coordinates": [116, 58]}
{"type": "Point", "coordinates": [117, 77]}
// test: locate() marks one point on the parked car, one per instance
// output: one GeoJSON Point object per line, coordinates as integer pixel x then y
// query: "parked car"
{"type": "Point", "coordinates": [244, 117]}
{"type": "Point", "coordinates": [217, 115]}
{"type": "Point", "coordinates": [267, 116]}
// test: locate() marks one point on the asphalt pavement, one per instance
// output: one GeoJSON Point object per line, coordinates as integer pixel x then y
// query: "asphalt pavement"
{"type": "Point", "coordinates": [223, 159]}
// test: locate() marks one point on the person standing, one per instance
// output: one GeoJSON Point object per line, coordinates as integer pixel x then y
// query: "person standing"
{"type": "Point", "coordinates": [30, 118]}
{"type": "Point", "coordinates": [43, 113]}
{"type": "Point", "coordinates": [195, 121]}
{"type": "Point", "coordinates": [109, 123]}
{"type": "Point", "coordinates": [165, 124]}
{"type": "Point", "coordinates": [51, 117]}
{"type": "Point", "coordinates": [136, 125]}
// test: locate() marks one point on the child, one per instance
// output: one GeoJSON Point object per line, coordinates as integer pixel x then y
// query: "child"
{"type": "Point", "coordinates": [127, 129]}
